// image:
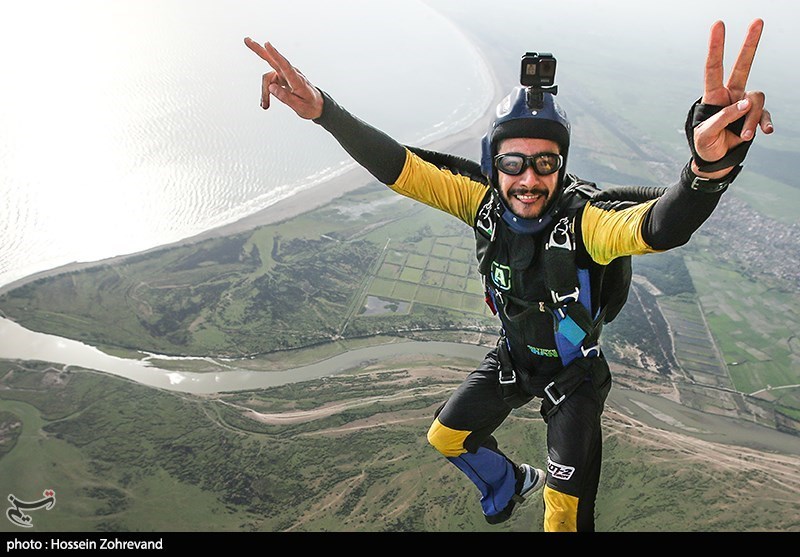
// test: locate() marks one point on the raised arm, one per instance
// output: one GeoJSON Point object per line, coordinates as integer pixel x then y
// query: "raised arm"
{"type": "Point", "coordinates": [381, 155]}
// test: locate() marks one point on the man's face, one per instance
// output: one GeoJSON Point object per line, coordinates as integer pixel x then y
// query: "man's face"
{"type": "Point", "coordinates": [528, 194]}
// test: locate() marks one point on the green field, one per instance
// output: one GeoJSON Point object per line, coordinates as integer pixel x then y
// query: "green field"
{"type": "Point", "coordinates": [124, 457]}
{"type": "Point", "coordinates": [312, 286]}
{"type": "Point", "coordinates": [444, 280]}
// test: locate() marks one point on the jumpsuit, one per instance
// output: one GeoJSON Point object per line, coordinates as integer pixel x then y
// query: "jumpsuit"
{"type": "Point", "coordinates": [463, 426]}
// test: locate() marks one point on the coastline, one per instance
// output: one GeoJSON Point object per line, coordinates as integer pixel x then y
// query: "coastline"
{"type": "Point", "coordinates": [461, 143]}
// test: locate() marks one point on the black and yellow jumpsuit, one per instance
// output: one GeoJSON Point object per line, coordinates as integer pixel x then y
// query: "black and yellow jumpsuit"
{"type": "Point", "coordinates": [463, 427]}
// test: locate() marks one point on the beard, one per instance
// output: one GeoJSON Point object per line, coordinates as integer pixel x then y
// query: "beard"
{"type": "Point", "coordinates": [534, 209]}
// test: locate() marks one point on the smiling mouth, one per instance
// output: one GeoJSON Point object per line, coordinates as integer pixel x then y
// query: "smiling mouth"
{"type": "Point", "coordinates": [529, 196]}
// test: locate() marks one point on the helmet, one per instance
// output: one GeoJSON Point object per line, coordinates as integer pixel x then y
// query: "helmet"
{"type": "Point", "coordinates": [515, 118]}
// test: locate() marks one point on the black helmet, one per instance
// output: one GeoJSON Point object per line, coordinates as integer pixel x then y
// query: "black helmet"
{"type": "Point", "coordinates": [516, 118]}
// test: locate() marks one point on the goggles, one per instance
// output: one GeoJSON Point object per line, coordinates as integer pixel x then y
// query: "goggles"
{"type": "Point", "coordinates": [515, 164]}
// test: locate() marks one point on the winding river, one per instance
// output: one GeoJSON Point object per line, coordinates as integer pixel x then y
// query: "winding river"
{"type": "Point", "coordinates": [23, 344]}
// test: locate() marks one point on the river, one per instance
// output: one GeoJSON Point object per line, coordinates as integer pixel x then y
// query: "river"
{"type": "Point", "coordinates": [652, 410]}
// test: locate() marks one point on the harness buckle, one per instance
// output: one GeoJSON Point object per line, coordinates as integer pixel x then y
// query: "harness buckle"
{"type": "Point", "coordinates": [570, 297]}
{"type": "Point", "coordinates": [507, 381]}
{"type": "Point", "coordinates": [560, 237]}
{"type": "Point", "coordinates": [556, 400]}
{"type": "Point", "coordinates": [591, 352]}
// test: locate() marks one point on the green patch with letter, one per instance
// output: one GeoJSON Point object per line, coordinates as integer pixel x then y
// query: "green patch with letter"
{"type": "Point", "coordinates": [501, 276]}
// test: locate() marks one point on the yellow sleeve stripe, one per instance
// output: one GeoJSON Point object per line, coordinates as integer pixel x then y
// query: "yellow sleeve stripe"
{"type": "Point", "coordinates": [441, 189]}
{"type": "Point", "coordinates": [608, 234]}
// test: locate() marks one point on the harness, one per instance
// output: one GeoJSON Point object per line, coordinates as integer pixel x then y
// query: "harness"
{"type": "Point", "coordinates": [576, 330]}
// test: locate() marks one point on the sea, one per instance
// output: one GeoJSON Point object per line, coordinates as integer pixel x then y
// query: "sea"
{"type": "Point", "coordinates": [131, 124]}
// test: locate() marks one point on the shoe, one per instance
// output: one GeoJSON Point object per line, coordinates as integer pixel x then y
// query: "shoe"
{"type": "Point", "coordinates": [529, 480]}
{"type": "Point", "coordinates": [532, 480]}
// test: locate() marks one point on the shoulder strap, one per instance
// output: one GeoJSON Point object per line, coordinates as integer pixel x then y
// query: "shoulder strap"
{"type": "Point", "coordinates": [577, 331]}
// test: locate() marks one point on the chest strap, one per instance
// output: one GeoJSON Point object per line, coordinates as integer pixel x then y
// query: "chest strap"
{"type": "Point", "coordinates": [573, 320]}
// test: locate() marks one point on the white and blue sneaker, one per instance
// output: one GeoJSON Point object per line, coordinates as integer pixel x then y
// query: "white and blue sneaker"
{"type": "Point", "coordinates": [532, 480]}
{"type": "Point", "coordinates": [529, 480]}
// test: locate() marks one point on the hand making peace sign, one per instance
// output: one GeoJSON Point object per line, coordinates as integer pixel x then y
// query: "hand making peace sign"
{"type": "Point", "coordinates": [712, 139]}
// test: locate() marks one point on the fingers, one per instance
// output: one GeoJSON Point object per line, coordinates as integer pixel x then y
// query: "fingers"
{"type": "Point", "coordinates": [282, 92]}
{"type": "Point", "coordinates": [255, 47]}
{"type": "Point", "coordinates": [711, 138]}
{"type": "Point", "coordinates": [751, 107]}
{"type": "Point", "coordinates": [766, 122]}
{"type": "Point", "coordinates": [289, 76]}
{"type": "Point", "coordinates": [714, 91]}
{"type": "Point", "coordinates": [716, 124]}
{"type": "Point", "coordinates": [714, 68]}
{"type": "Point", "coordinates": [737, 81]}
{"type": "Point", "coordinates": [266, 80]}
{"type": "Point", "coordinates": [757, 116]}
{"type": "Point", "coordinates": [286, 83]}
{"type": "Point", "coordinates": [755, 112]}
{"type": "Point", "coordinates": [276, 60]}
{"type": "Point", "coordinates": [284, 74]}
{"type": "Point", "coordinates": [293, 79]}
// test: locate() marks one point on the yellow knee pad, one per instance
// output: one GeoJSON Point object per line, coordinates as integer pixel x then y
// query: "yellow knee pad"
{"type": "Point", "coordinates": [560, 511]}
{"type": "Point", "coordinates": [448, 441]}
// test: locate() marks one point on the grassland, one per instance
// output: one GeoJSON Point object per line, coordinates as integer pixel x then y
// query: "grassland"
{"type": "Point", "coordinates": [373, 264]}
{"type": "Point", "coordinates": [339, 454]}
{"type": "Point", "coordinates": [348, 453]}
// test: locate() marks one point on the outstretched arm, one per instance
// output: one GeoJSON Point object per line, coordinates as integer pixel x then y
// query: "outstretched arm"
{"type": "Point", "coordinates": [381, 155]}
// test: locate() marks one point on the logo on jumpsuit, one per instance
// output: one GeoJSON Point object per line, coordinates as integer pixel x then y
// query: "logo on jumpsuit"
{"type": "Point", "coordinates": [559, 471]}
{"type": "Point", "coordinates": [484, 219]}
{"type": "Point", "coordinates": [501, 276]}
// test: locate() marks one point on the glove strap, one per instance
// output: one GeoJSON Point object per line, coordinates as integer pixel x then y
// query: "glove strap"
{"type": "Point", "coordinates": [698, 114]}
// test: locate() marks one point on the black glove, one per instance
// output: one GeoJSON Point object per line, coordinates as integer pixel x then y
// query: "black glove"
{"type": "Point", "coordinates": [698, 114]}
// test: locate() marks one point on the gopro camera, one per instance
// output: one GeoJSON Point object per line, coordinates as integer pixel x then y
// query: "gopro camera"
{"type": "Point", "coordinates": [538, 70]}
{"type": "Point", "coordinates": [538, 76]}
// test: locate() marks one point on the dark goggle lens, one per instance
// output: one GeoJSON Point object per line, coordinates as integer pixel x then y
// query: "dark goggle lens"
{"type": "Point", "coordinates": [515, 163]}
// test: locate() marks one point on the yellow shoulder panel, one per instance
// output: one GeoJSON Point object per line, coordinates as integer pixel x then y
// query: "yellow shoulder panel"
{"type": "Point", "coordinates": [608, 234]}
{"type": "Point", "coordinates": [441, 189]}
